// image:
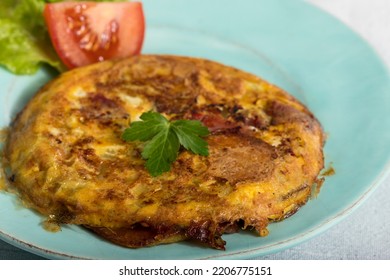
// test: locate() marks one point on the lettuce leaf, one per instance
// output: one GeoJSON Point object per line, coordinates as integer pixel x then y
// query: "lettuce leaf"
{"type": "Point", "coordinates": [24, 40]}
{"type": "Point", "coordinates": [21, 53]}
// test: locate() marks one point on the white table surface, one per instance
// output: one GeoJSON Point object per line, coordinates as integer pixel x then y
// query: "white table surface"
{"type": "Point", "coordinates": [364, 234]}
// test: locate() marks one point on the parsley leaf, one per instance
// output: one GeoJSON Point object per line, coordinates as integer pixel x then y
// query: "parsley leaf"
{"type": "Point", "coordinates": [188, 133]}
{"type": "Point", "coordinates": [164, 138]}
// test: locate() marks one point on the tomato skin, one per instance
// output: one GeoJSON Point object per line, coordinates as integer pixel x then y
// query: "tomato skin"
{"type": "Point", "coordinates": [116, 28]}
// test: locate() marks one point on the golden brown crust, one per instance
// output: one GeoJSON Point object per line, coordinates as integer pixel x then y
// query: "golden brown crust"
{"type": "Point", "coordinates": [68, 159]}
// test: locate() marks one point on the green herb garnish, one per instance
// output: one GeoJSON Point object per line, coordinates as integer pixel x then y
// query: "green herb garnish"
{"type": "Point", "coordinates": [164, 139]}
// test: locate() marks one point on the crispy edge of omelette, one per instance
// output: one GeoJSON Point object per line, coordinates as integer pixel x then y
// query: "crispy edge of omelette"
{"type": "Point", "coordinates": [229, 121]}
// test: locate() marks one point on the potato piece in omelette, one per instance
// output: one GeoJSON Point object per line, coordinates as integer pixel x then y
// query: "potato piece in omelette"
{"type": "Point", "coordinates": [69, 162]}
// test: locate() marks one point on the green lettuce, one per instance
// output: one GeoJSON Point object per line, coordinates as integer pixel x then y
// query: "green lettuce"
{"type": "Point", "coordinates": [24, 40]}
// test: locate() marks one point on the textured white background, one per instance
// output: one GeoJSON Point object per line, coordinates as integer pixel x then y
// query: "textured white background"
{"type": "Point", "coordinates": [365, 234]}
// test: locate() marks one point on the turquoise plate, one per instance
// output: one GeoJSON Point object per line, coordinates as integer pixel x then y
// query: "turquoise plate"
{"type": "Point", "coordinates": [291, 44]}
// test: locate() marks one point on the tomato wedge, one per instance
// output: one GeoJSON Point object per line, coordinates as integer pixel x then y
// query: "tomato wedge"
{"type": "Point", "coordinates": [87, 32]}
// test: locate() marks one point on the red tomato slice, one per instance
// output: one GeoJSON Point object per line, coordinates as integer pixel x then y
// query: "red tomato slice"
{"type": "Point", "coordinates": [87, 32]}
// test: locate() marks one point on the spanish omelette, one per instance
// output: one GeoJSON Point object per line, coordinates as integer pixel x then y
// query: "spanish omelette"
{"type": "Point", "coordinates": [67, 159]}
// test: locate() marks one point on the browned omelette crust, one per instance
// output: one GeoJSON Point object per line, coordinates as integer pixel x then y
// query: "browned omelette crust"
{"type": "Point", "coordinates": [68, 160]}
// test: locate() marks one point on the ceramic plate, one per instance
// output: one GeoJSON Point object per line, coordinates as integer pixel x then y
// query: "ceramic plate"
{"type": "Point", "coordinates": [289, 43]}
